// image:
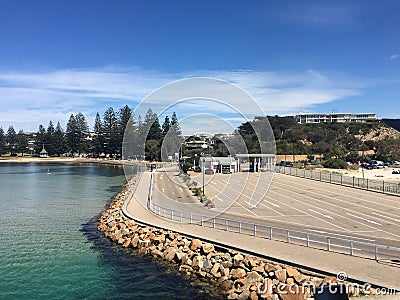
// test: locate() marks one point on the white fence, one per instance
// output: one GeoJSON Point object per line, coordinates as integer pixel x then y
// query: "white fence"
{"type": "Point", "coordinates": [351, 181]}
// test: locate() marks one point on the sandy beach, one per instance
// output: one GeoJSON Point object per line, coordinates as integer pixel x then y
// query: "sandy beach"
{"type": "Point", "coordinates": [29, 159]}
{"type": "Point", "coordinates": [382, 174]}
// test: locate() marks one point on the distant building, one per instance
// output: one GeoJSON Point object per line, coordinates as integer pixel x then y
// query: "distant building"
{"type": "Point", "coordinates": [193, 145]}
{"type": "Point", "coordinates": [335, 118]}
{"type": "Point", "coordinates": [219, 164]}
{"type": "Point", "coordinates": [199, 141]}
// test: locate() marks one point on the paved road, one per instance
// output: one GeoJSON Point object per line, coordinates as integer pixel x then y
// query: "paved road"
{"type": "Point", "coordinates": [360, 269]}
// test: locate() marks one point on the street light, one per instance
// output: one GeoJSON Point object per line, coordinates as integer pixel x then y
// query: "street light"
{"type": "Point", "coordinates": [203, 159]}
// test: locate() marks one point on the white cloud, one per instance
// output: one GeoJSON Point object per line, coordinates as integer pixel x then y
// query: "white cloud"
{"type": "Point", "coordinates": [394, 56]}
{"type": "Point", "coordinates": [35, 98]}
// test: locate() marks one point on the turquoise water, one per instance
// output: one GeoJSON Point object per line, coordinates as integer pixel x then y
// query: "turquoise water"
{"type": "Point", "coordinates": [50, 247]}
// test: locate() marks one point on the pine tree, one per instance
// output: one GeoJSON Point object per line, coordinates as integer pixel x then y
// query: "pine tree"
{"type": "Point", "coordinates": [110, 132]}
{"type": "Point", "coordinates": [166, 125]}
{"type": "Point", "coordinates": [72, 135]}
{"type": "Point", "coordinates": [49, 139]}
{"type": "Point", "coordinates": [125, 114]}
{"type": "Point", "coordinates": [11, 139]}
{"type": "Point", "coordinates": [126, 125]}
{"type": "Point", "coordinates": [83, 129]}
{"type": "Point", "coordinates": [2, 142]}
{"type": "Point", "coordinates": [152, 124]}
{"type": "Point", "coordinates": [21, 143]}
{"type": "Point", "coordinates": [59, 140]}
{"type": "Point", "coordinates": [154, 136]}
{"type": "Point", "coordinates": [98, 139]}
{"type": "Point", "coordinates": [40, 139]}
{"type": "Point", "coordinates": [172, 140]}
{"type": "Point", "coordinates": [76, 133]}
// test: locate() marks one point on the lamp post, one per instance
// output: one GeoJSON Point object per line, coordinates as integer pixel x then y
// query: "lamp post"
{"type": "Point", "coordinates": [203, 159]}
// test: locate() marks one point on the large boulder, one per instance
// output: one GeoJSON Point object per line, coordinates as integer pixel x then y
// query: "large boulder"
{"type": "Point", "coordinates": [238, 273]}
{"type": "Point", "coordinates": [207, 248]}
{"type": "Point", "coordinates": [194, 244]}
{"type": "Point", "coordinates": [238, 259]}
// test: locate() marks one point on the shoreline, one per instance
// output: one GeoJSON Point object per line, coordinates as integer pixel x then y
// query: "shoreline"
{"type": "Point", "coordinates": [219, 270]}
{"type": "Point", "coordinates": [69, 160]}
{"type": "Point", "coordinates": [377, 174]}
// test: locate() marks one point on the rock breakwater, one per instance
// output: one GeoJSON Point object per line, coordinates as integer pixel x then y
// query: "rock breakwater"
{"type": "Point", "coordinates": [233, 274]}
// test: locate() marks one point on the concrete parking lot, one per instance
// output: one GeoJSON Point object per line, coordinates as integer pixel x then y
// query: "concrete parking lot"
{"type": "Point", "coordinates": [293, 203]}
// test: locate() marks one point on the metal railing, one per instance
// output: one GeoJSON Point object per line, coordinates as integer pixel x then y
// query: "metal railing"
{"type": "Point", "coordinates": [351, 247]}
{"type": "Point", "coordinates": [318, 241]}
{"type": "Point", "coordinates": [350, 181]}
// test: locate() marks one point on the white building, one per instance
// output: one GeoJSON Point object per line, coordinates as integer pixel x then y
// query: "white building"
{"type": "Point", "coordinates": [335, 118]}
{"type": "Point", "coordinates": [219, 164]}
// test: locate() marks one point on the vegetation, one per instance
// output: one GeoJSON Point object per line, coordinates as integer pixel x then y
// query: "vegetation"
{"type": "Point", "coordinates": [336, 142]}
{"type": "Point", "coordinates": [106, 139]}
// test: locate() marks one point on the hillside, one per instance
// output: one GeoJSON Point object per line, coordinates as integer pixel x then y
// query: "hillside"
{"type": "Point", "coordinates": [340, 140]}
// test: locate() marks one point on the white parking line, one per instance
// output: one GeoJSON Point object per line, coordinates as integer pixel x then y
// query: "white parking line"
{"type": "Point", "coordinates": [374, 213]}
{"type": "Point", "coordinates": [218, 198]}
{"type": "Point", "coordinates": [273, 204]}
{"type": "Point", "coordinates": [324, 215]}
{"type": "Point", "coordinates": [366, 220]}
{"type": "Point", "coordinates": [279, 213]}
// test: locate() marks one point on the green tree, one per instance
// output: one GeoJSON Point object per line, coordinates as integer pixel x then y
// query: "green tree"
{"type": "Point", "coordinates": [173, 139]}
{"type": "Point", "coordinates": [40, 139]}
{"type": "Point", "coordinates": [83, 130]}
{"type": "Point", "coordinates": [125, 114]}
{"type": "Point", "coordinates": [11, 139]}
{"type": "Point", "coordinates": [2, 142]}
{"type": "Point", "coordinates": [21, 142]}
{"type": "Point", "coordinates": [59, 140]}
{"type": "Point", "coordinates": [125, 120]}
{"type": "Point", "coordinates": [76, 133]}
{"type": "Point", "coordinates": [166, 125]}
{"type": "Point", "coordinates": [337, 152]}
{"type": "Point", "coordinates": [152, 123]}
{"type": "Point", "coordinates": [72, 135]}
{"type": "Point", "coordinates": [154, 136]}
{"type": "Point", "coordinates": [110, 132]}
{"type": "Point", "coordinates": [98, 139]}
{"type": "Point", "coordinates": [49, 139]}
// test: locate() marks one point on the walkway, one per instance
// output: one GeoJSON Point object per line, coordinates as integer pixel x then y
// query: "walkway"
{"type": "Point", "coordinates": [357, 269]}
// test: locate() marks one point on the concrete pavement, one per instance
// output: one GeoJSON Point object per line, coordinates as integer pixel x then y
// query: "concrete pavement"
{"type": "Point", "coordinates": [357, 269]}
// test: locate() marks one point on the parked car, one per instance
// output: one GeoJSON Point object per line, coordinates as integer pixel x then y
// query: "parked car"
{"type": "Point", "coordinates": [197, 169]}
{"type": "Point", "coordinates": [209, 172]}
{"type": "Point", "coordinates": [285, 164]}
{"type": "Point", "coordinates": [395, 172]}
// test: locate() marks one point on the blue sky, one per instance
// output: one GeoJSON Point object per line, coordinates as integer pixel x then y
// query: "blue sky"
{"type": "Point", "coordinates": [62, 57]}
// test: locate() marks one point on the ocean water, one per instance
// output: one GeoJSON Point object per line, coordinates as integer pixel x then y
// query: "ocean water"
{"type": "Point", "coordinates": [50, 247]}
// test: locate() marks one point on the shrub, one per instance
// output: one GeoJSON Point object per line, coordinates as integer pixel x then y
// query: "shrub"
{"type": "Point", "coordinates": [335, 163]}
